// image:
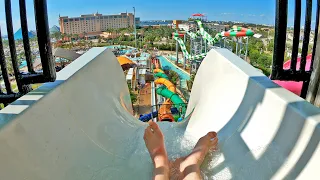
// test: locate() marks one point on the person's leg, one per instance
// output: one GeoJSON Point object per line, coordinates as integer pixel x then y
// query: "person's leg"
{"type": "Point", "coordinates": [154, 141]}
{"type": "Point", "coordinates": [190, 166]}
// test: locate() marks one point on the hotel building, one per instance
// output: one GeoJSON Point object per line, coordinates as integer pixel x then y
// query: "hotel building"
{"type": "Point", "coordinates": [95, 23]}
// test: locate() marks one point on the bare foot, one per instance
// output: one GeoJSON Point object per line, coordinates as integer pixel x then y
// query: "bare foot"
{"type": "Point", "coordinates": [154, 141]}
{"type": "Point", "coordinates": [204, 144]}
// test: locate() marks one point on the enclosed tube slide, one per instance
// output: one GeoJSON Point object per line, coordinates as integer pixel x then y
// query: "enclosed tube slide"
{"type": "Point", "coordinates": [238, 32]}
{"type": "Point", "coordinates": [161, 75]}
{"type": "Point", "coordinates": [206, 36]}
{"type": "Point", "coordinates": [192, 35]}
{"type": "Point", "coordinates": [158, 71]}
{"type": "Point", "coordinates": [184, 49]}
{"type": "Point", "coordinates": [174, 97]}
{"type": "Point", "coordinates": [233, 32]}
{"type": "Point", "coordinates": [165, 112]}
{"type": "Point", "coordinates": [167, 83]}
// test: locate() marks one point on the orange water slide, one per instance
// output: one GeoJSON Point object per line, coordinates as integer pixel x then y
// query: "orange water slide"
{"type": "Point", "coordinates": [171, 87]}
{"type": "Point", "coordinates": [164, 113]}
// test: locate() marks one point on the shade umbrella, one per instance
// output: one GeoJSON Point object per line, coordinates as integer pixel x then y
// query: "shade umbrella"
{"type": "Point", "coordinates": [125, 63]}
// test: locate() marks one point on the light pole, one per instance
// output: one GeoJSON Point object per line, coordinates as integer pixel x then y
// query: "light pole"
{"type": "Point", "coordinates": [134, 24]}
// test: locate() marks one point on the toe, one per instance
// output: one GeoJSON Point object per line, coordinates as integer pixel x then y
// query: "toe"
{"type": "Point", "coordinates": [148, 130]}
{"type": "Point", "coordinates": [212, 135]}
{"type": "Point", "coordinates": [214, 141]}
{"type": "Point", "coordinates": [153, 125]}
{"type": "Point", "coordinates": [155, 128]}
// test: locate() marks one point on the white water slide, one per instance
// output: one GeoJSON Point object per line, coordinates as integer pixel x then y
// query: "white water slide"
{"type": "Point", "coordinates": [81, 128]}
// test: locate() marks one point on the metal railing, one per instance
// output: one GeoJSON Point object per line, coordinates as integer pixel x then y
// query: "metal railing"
{"type": "Point", "coordinates": [24, 80]}
{"type": "Point", "coordinates": [292, 74]}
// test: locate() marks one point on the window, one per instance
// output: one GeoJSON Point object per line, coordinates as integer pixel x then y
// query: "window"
{"type": "Point", "coordinates": [70, 20]}
{"type": "Point", "coordinates": [65, 20]}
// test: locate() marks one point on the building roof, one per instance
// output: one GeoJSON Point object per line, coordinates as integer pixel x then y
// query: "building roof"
{"type": "Point", "coordinates": [123, 60]}
{"type": "Point", "coordinates": [18, 35]}
{"type": "Point", "coordinates": [257, 35]}
{"type": "Point", "coordinates": [54, 29]}
{"type": "Point", "coordinates": [65, 53]}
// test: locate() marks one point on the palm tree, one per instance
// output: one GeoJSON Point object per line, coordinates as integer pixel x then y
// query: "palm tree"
{"type": "Point", "coordinates": [69, 36]}
{"type": "Point", "coordinates": [84, 35]}
{"type": "Point", "coordinates": [63, 36]}
{"type": "Point", "coordinates": [76, 36]}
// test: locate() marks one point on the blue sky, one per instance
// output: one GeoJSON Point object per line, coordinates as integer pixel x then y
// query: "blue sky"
{"type": "Point", "coordinates": [255, 11]}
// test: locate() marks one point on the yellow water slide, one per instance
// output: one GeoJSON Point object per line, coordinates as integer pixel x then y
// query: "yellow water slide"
{"type": "Point", "coordinates": [158, 71]}
{"type": "Point", "coordinates": [167, 83]}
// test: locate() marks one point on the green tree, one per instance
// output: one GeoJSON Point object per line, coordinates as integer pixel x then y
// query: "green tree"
{"type": "Point", "coordinates": [99, 39]}
{"type": "Point", "coordinates": [57, 35]}
{"type": "Point", "coordinates": [173, 77]}
{"type": "Point", "coordinates": [133, 96]}
{"type": "Point", "coordinates": [264, 60]}
{"type": "Point", "coordinates": [270, 46]}
{"type": "Point", "coordinates": [254, 55]}
{"type": "Point", "coordinates": [76, 36]}
{"type": "Point", "coordinates": [63, 36]}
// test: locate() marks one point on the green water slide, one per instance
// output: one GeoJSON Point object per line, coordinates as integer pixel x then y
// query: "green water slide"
{"type": "Point", "coordinates": [192, 35]}
{"type": "Point", "coordinates": [174, 97]}
{"type": "Point", "coordinates": [206, 36]}
{"type": "Point", "coordinates": [184, 49]}
{"type": "Point", "coordinates": [161, 75]}
{"type": "Point", "coordinates": [233, 32]}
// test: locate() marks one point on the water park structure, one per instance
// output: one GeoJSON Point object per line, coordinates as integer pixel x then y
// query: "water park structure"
{"type": "Point", "coordinates": [174, 108]}
{"type": "Point", "coordinates": [201, 41]}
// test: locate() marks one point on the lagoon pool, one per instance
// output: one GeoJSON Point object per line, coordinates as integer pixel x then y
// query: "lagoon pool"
{"type": "Point", "coordinates": [128, 49]}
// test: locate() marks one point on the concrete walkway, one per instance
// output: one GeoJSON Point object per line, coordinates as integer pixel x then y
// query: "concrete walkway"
{"type": "Point", "coordinates": [145, 99]}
